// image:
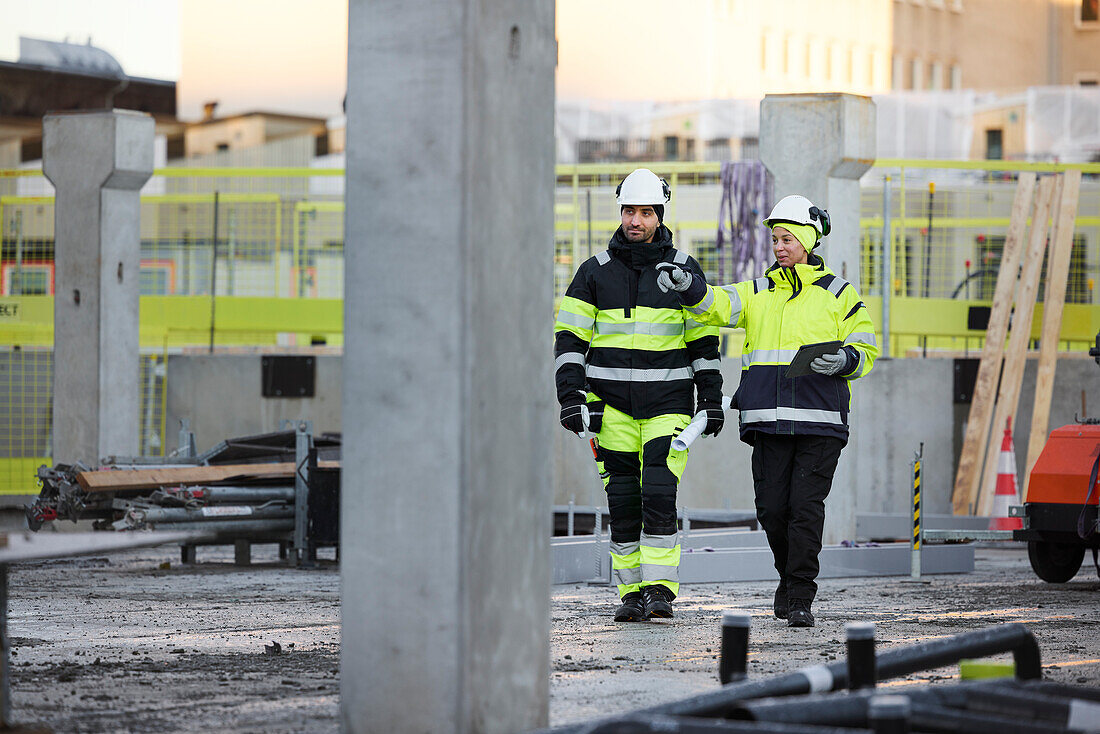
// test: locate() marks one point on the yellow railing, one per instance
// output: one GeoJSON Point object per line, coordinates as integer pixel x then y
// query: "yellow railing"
{"type": "Point", "coordinates": [277, 277]}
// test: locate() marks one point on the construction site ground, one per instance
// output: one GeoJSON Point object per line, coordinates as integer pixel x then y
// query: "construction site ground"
{"type": "Point", "coordinates": [136, 642]}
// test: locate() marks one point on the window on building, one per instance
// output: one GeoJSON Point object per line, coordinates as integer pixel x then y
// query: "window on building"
{"type": "Point", "coordinates": [27, 279]}
{"type": "Point", "coordinates": [764, 52]}
{"type": "Point", "coordinates": [935, 75]}
{"type": "Point", "coordinates": [956, 81]}
{"type": "Point", "coordinates": [994, 144]}
{"type": "Point", "coordinates": [916, 74]}
{"type": "Point", "coordinates": [1088, 13]}
{"type": "Point", "coordinates": [788, 49]}
{"type": "Point", "coordinates": [158, 277]}
{"type": "Point", "coordinates": [1086, 79]}
{"type": "Point", "coordinates": [897, 74]}
{"type": "Point", "coordinates": [672, 148]}
{"type": "Point", "coordinates": [850, 66]}
{"type": "Point", "coordinates": [223, 146]}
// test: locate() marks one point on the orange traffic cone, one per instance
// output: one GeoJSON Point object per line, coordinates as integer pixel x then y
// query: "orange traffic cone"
{"type": "Point", "coordinates": [1005, 493]}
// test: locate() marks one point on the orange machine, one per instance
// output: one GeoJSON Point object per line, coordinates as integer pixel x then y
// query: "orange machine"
{"type": "Point", "coordinates": [1061, 501]}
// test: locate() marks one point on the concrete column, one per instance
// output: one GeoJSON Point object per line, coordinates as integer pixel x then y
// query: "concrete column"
{"type": "Point", "coordinates": [448, 370]}
{"type": "Point", "coordinates": [819, 145]}
{"type": "Point", "coordinates": [97, 161]}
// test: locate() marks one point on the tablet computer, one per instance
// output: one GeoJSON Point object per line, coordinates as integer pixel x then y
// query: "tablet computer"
{"type": "Point", "coordinates": [807, 353]}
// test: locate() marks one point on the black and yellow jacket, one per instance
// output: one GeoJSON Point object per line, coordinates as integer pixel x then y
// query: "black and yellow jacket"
{"type": "Point", "coordinates": [618, 336]}
{"type": "Point", "coordinates": [780, 312]}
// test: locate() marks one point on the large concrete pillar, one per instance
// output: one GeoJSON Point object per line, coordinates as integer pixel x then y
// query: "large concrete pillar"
{"type": "Point", "coordinates": [819, 145]}
{"type": "Point", "coordinates": [97, 161]}
{"type": "Point", "coordinates": [446, 499]}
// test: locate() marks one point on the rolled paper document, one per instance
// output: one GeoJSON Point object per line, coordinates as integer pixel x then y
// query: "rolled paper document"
{"type": "Point", "coordinates": [695, 428]}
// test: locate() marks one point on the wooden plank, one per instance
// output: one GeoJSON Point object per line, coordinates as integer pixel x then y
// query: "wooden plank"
{"type": "Point", "coordinates": [109, 481]}
{"type": "Point", "coordinates": [1061, 245]}
{"type": "Point", "coordinates": [1015, 358]}
{"type": "Point", "coordinates": [989, 368]}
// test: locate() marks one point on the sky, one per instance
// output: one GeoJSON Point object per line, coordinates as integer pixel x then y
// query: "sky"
{"type": "Point", "coordinates": [275, 55]}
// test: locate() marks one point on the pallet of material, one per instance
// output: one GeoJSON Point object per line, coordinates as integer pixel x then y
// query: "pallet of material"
{"type": "Point", "coordinates": [109, 481]}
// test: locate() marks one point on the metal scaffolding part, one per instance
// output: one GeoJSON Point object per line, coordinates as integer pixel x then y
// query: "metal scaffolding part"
{"type": "Point", "coordinates": [802, 698]}
{"type": "Point", "coordinates": [268, 488]}
{"type": "Point", "coordinates": [303, 435]}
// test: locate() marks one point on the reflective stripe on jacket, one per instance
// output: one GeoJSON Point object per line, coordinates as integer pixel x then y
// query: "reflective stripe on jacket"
{"type": "Point", "coordinates": [620, 337]}
{"type": "Point", "coordinates": [780, 312]}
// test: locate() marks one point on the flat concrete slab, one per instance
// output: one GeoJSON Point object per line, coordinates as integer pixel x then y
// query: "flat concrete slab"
{"type": "Point", "coordinates": [579, 558]}
{"type": "Point", "coordinates": [899, 525]}
{"type": "Point", "coordinates": [28, 546]}
{"type": "Point", "coordinates": [755, 564]}
{"type": "Point", "coordinates": [725, 555]}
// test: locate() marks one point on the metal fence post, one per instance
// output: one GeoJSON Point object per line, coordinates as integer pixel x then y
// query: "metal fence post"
{"type": "Point", "coordinates": [303, 438]}
{"type": "Point", "coordinates": [887, 274]}
{"type": "Point", "coordinates": [915, 540]}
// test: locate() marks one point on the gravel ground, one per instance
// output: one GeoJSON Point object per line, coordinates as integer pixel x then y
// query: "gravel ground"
{"type": "Point", "coordinates": [134, 642]}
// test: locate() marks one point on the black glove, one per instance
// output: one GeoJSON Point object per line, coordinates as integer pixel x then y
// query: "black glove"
{"type": "Point", "coordinates": [716, 418]}
{"type": "Point", "coordinates": [571, 412]}
{"type": "Point", "coordinates": [595, 416]}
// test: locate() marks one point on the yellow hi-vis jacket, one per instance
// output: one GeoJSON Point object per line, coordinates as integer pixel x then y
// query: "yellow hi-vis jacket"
{"type": "Point", "coordinates": [780, 312]}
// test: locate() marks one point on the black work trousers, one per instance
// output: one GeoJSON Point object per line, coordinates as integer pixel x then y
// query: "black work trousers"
{"type": "Point", "coordinates": [792, 476]}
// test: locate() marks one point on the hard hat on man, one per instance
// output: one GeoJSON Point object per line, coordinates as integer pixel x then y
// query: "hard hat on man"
{"type": "Point", "coordinates": [643, 187]}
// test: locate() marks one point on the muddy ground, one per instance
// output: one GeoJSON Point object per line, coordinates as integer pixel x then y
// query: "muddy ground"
{"type": "Point", "coordinates": [135, 642]}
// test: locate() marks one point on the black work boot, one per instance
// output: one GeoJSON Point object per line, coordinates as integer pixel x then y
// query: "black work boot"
{"type": "Point", "coordinates": [779, 604]}
{"type": "Point", "coordinates": [632, 609]}
{"type": "Point", "coordinates": [658, 601]}
{"type": "Point", "coordinates": [799, 614]}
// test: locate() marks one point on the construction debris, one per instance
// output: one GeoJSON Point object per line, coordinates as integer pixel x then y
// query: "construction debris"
{"type": "Point", "coordinates": [275, 487]}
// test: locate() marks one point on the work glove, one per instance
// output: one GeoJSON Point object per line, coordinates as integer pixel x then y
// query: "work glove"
{"type": "Point", "coordinates": [595, 416]}
{"type": "Point", "coordinates": [671, 277]}
{"type": "Point", "coordinates": [716, 418]}
{"type": "Point", "coordinates": [571, 412]}
{"type": "Point", "coordinates": [829, 364]}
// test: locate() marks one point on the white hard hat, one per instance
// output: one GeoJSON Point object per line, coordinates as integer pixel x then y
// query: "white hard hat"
{"type": "Point", "coordinates": [641, 187]}
{"type": "Point", "coordinates": [800, 210]}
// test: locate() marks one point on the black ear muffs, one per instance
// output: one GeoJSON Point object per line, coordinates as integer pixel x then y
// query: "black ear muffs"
{"type": "Point", "coordinates": [822, 216]}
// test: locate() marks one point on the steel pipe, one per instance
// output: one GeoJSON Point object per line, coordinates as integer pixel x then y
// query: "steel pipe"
{"type": "Point", "coordinates": [889, 714]}
{"type": "Point", "coordinates": [861, 655]}
{"type": "Point", "coordinates": [657, 724]}
{"type": "Point", "coordinates": [216, 514]}
{"type": "Point", "coordinates": [237, 527]}
{"type": "Point", "coordinates": [1006, 703]}
{"type": "Point", "coordinates": [1014, 638]}
{"type": "Point", "coordinates": [234, 494]}
{"type": "Point", "coordinates": [734, 656]}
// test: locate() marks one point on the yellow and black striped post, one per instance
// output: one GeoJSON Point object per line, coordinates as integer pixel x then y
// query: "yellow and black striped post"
{"type": "Point", "coordinates": [915, 540]}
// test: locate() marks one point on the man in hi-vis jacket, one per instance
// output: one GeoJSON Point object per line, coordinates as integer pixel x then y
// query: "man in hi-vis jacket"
{"type": "Point", "coordinates": [626, 349]}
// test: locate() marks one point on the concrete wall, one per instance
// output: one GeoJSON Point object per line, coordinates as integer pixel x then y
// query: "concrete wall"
{"type": "Point", "coordinates": [902, 403]}
{"type": "Point", "coordinates": [221, 395]}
